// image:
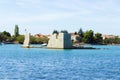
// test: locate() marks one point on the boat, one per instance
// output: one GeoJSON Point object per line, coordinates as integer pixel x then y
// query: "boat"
{"type": "Point", "coordinates": [7, 42]}
{"type": "Point", "coordinates": [45, 44]}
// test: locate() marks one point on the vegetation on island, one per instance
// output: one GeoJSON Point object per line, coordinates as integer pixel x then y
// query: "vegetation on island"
{"type": "Point", "coordinates": [87, 37]}
{"type": "Point", "coordinates": [115, 40]}
{"type": "Point", "coordinates": [90, 37]}
{"type": "Point", "coordinates": [16, 31]}
{"type": "Point", "coordinates": [17, 38]}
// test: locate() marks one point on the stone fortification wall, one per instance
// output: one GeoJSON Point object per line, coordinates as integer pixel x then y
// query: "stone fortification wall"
{"type": "Point", "coordinates": [61, 40]}
{"type": "Point", "coordinates": [67, 40]}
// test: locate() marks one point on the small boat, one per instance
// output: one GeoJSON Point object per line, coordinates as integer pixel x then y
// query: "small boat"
{"type": "Point", "coordinates": [45, 44]}
{"type": "Point", "coordinates": [6, 42]}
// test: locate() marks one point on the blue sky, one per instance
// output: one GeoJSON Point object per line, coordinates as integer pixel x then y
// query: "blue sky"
{"type": "Point", "coordinates": [44, 16]}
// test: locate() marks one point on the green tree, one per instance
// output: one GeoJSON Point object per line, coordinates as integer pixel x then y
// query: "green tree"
{"type": "Point", "coordinates": [6, 33]}
{"type": "Point", "coordinates": [81, 33]}
{"type": "Point", "coordinates": [16, 31]}
{"type": "Point", "coordinates": [5, 36]}
{"type": "Point", "coordinates": [55, 32]}
{"type": "Point", "coordinates": [98, 38]}
{"type": "Point", "coordinates": [75, 33]}
{"type": "Point", "coordinates": [88, 37]}
{"type": "Point", "coordinates": [39, 40]}
{"type": "Point", "coordinates": [115, 40]}
{"type": "Point", "coordinates": [20, 38]}
{"type": "Point", "coordinates": [1, 37]}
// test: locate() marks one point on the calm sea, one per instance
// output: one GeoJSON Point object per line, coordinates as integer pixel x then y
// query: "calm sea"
{"type": "Point", "coordinates": [18, 63]}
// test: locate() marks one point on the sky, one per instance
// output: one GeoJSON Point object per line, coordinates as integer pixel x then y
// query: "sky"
{"type": "Point", "coordinates": [44, 16]}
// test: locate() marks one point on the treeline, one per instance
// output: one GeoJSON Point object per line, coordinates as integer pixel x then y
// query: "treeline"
{"type": "Point", "coordinates": [115, 40]}
{"type": "Point", "coordinates": [90, 37]}
{"type": "Point", "coordinates": [95, 38]}
{"type": "Point", "coordinates": [17, 38]}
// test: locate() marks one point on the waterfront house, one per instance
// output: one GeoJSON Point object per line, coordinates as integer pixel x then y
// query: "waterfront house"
{"type": "Point", "coordinates": [108, 36]}
{"type": "Point", "coordinates": [40, 36]}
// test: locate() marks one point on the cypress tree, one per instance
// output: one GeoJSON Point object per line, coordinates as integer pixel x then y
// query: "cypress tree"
{"type": "Point", "coordinates": [16, 31]}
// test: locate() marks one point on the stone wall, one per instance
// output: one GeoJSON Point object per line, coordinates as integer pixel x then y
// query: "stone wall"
{"type": "Point", "coordinates": [61, 40]}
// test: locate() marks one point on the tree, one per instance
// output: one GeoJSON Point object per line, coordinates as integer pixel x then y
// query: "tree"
{"type": "Point", "coordinates": [81, 33]}
{"type": "Point", "coordinates": [88, 37]}
{"type": "Point", "coordinates": [5, 36]}
{"type": "Point", "coordinates": [1, 37]}
{"type": "Point", "coordinates": [16, 31]}
{"type": "Point", "coordinates": [75, 33]}
{"type": "Point", "coordinates": [115, 40]}
{"type": "Point", "coordinates": [55, 32]}
{"type": "Point", "coordinates": [20, 38]}
{"type": "Point", "coordinates": [98, 38]}
{"type": "Point", "coordinates": [6, 33]}
{"type": "Point", "coordinates": [40, 40]}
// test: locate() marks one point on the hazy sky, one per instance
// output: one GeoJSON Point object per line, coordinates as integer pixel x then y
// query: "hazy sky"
{"type": "Point", "coordinates": [44, 16]}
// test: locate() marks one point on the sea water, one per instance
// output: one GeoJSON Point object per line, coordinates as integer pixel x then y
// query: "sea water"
{"type": "Point", "coordinates": [18, 63]}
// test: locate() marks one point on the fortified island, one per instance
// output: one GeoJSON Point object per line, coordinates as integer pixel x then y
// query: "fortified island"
{"type": "Point", "coordinates": [61, 40]}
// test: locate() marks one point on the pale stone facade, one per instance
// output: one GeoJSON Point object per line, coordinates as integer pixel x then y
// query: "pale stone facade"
{"type": "Point", "coordinates": [108, 36]}
{"type": "Point", "coordinates": [26, 43]}
{"type": "Point", "coordinates": [61, 40]}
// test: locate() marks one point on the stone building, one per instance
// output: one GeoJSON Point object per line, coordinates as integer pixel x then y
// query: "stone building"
{"type": "Point", "coordinates": [60, 40]}
{"type": "Point", "coordinates": [75, 37]}
{"type": "Point", "coordinates": [108, 36]}
{"type": "Point", "coordinates": [40, 36]}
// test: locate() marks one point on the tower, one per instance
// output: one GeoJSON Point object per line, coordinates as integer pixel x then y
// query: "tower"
{"type": "Point", "coordinates": [60, 40]}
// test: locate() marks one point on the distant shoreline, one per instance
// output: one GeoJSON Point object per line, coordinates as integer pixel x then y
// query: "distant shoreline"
{"type": "Point", "coordinates": [74, 44]}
